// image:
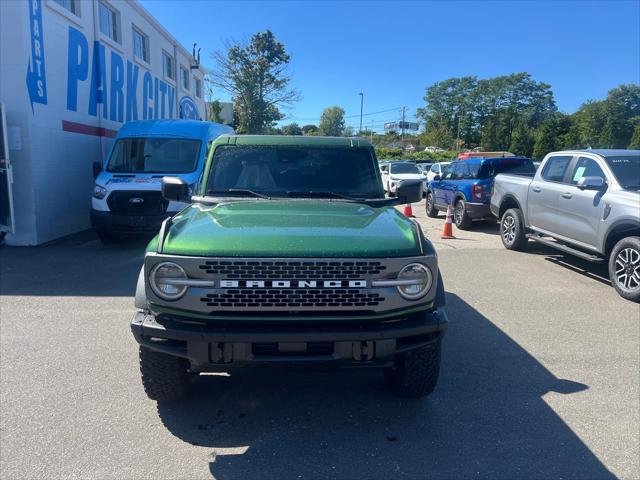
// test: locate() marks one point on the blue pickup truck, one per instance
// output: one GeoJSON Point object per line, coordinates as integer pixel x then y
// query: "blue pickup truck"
{"type": "Point", "coordinates": [467, 186]}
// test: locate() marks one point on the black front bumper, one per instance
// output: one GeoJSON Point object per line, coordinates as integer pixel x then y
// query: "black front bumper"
{"type": "Point", "coordinates": [478, 210]}
{"type": "Point", "coordinates": [129, 224]}
{"type": "Point", "coordinates": [220, 347]}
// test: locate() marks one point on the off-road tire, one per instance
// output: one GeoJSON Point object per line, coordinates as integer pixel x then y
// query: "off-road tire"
{"type": "Point", "coordinates": [432, 211]}
{"type": "Point", "coordinates": [415, 374]}
{"type": "Point", "coordinates": [512, 231]}
{"type": "Point", "coordinates": [108, 238]}
{"type": "Point", "coordinates": [460, 216]}
{"type": "Point", "coordinates": [165, 378]}
{"type": "Point", "coordinates": [626, 254]}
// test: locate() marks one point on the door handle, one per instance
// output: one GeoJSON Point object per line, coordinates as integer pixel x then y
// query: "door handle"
{"type": "Point", "coordinates": [536, 189]}
{"type": "Point", "coordinates": [566, 195]}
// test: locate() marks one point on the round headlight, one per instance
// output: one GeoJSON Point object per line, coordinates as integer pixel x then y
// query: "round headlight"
{"type": "Point", "coordinates": [161, 283]}
{"type": "Point", "coordinates": [422, 281]}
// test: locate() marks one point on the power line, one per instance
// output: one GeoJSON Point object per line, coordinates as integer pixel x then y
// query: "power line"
{"type": "Point", "coordinates": [310, 119]}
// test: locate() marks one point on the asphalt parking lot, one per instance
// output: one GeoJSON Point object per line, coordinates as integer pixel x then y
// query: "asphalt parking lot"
{"type": "Point", "coordinates": [540, 379]}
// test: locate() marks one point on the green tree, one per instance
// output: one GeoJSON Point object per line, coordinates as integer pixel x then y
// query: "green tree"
{"type": "Point", "coordinates": [310, 129]}
{"type": "Point", "coordinates": [215, 108]}
{"type": "Point", "coordinates": [332, 121]}
{"type": "Point", "coordinates": [292, 129]}
{"type": "Point", "coordinates": [522, 141]}
{"type": "Point", "coordinates": [437, 135]}
{"type": "Point", "coordinates": [635, 137]}
{"type": "Point", "coordinates": [255, 74]}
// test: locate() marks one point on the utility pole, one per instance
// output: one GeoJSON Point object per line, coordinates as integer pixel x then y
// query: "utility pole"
{"type": "Point", "coordinates": [402, 127]}
{"type": "Point", "coordinates": [361, 105]}
{"type": "Point", "coordinates": [371, 132]}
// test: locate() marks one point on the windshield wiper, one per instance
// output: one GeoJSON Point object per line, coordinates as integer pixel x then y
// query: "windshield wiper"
{"type": "Point", "coordinates": [311, 193]}
{"type": "Point", "coordinates": [238, 191]}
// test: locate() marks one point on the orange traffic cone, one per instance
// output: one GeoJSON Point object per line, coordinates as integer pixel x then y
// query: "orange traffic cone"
{"type": "Point", "coordinates": [408, 212]}
{"type": "Point", "coordinates": [448, 225]}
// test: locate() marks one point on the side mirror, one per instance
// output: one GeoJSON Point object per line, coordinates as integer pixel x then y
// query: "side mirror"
{"type": "Point", "coordinates": [175, 189]}
{"type": "Point", "coordinates": [97, 168]}
{"type": "Point", "coordinates": [591, 183]}
{"type": "Point", "coordinates": [436, 177]}
{"type": "Point", "coordinates": [409, 191]}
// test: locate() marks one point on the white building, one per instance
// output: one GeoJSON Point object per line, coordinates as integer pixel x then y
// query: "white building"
{"type": "Point", "coordinates": [71, 72]}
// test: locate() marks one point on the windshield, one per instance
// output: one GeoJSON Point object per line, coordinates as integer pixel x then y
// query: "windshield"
{"type": "Point", "coordinates": [404, 168]}
{"type": "Point", "coordinates": [154, 155]}
{"type": "Point", "coordinates": [299, 171]}
{"type": "Point", "coordinates": [626, 168]}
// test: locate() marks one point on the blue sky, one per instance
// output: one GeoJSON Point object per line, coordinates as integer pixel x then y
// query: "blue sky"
{"type": "Point", "coordinates": [393, 50]}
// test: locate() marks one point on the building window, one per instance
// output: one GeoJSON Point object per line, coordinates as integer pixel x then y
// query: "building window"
{"type": "Point", "coordinates": [109, 22]}
{"type": "Point", "coordinates": [167, 66]}
{"type": "Point", "coordinates": [72, 5]}
{"type": "Point", "coordinates": [140, 45]}
{"type": "Point", "coordinates": [197, 87]}
{"type": "Point", "coordinates": [184, 77]}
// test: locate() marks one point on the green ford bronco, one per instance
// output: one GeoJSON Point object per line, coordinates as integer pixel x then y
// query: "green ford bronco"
{"type": "Point", "coordinates": [289, 254]}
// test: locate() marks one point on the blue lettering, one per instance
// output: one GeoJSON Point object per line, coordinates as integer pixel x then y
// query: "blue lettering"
{"type": "Point", "coordinates": [147, 94]}
{"type": "Point", "coordinates": [77, 66]}
{"type": "Point", "coordinates": [98, 81]}
{"type": "Point", "coordinates": [163, 92]}
{"type": "Point", "coordinates": [117, 82]}
{"type": "Point", "coordinates": [132, 90]}
{"type": "Point", "coordinates": [172, 96]}
{"type": "Point", "coordinates": [155, 98]}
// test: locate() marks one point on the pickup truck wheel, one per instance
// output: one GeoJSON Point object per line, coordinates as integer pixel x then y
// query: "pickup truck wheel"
{"type": "Point", "coordinates": [624, 268]}
{"type": "Point", "coordinates": [512, 230]}
{"type": "Point", "coordinates": [165, 378]}
{"type": "Point", "coordinates": [415, 374]}
{"type": "Point", "coordinates": [460, 217]}
{"type": "Point", "coordinates": [432, 211]}
{"type": "Point", "coordinates": [108, 238]}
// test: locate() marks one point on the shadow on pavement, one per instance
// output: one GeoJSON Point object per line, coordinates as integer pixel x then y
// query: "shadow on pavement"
{"type": "Point", "coordinates": [486, 419]}
{"type": "Point", "coordinates": [77, 266]}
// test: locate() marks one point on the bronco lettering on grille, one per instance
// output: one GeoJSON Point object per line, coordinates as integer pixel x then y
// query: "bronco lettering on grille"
{"type": "Point", "coordinates": [293, 283]}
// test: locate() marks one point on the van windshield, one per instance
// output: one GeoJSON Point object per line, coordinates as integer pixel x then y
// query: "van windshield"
{"type": "Point", "coordinates": [278, 171]}
{"type": "Point", "coordinates": [154, 155]}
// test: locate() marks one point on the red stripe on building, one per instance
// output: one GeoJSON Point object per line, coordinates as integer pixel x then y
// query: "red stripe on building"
{"type": "Point", "coordinates": [87, 129]}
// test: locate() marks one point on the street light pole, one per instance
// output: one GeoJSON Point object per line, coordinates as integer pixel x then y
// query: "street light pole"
{"type": "Point", "coordinates": [361, 105]}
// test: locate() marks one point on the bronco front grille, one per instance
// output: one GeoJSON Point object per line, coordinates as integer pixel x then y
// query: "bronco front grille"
{"type": "Point", "coordinates": [297, 270]}
{"type": "Point", "coordinates": [292, 298]}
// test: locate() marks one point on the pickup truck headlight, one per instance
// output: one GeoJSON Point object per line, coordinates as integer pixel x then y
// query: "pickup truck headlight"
{"type": "Point", "coordinates": [422, 279]}
{"type": "Point", "coordinates": [161, 281]}
{"type": "Point", "coordinates": [99, 192]}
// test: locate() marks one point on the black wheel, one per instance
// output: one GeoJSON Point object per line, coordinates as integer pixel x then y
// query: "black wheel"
{"type": "Point", "coordinates": [108, 238]}
{"type": "Point", "coordinates": [512, 230]}
{"type": "Point", "coordinates": [432, 211]}
{"type": "Point", "coordinates": [165, 378]}
{"type": "Point", "coordinates": [460, 216]}
{"type": "Point", "coordinates": [624, 268]}
{"type": "Point", "coordinates": [415, 374]}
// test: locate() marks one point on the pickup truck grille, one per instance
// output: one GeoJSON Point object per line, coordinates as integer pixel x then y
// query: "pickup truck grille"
{"type": "Point", "coordinates": [297, 270]}
{"type": "Point", "coordinates": [292, 298]}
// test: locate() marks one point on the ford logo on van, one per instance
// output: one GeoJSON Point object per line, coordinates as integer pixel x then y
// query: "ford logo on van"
{"type": "Point", "coordinates": [136, 200]}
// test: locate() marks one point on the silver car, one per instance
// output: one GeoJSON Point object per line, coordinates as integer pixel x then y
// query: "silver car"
{"type": "Point", "coordinates": [583, 202]}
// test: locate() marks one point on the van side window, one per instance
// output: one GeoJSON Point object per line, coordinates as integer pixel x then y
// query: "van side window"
{"type": "Point", "coordinates": [555, 168]}
{"type": "Point", "coordinates": [586, 167]}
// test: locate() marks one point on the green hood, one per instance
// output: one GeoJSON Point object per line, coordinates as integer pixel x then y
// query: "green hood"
{"type": "Point", "coordinates": [290, 228]}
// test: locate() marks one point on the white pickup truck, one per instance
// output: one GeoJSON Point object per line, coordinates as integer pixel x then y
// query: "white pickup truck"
{"type": "Point", "coordinates": [585, 203]}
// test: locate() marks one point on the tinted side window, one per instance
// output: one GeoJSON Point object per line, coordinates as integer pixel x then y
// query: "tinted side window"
{"type": "Point", "coordinates": [586, 167]}
{"type": "Point", "coordinates": [456, 171]}
{"type": "Point", "coordinates": [434, 168]}
{"type": "Point", "coordinates": [555, 168]}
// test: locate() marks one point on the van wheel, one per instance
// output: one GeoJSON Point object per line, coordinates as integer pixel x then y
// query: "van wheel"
{"type": "Point", "coordinates": [415, 374]}
{"type": "Point", "coordinates": [512, 230]}
{"type": "Point", "coordinates": [624, 268]}
{"type": "Point", "coordinates": [108, 238]}
{"type": "Point", "coordinates": [460, 216]}
{"type": "Point", "coordinates": [432, 211]}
